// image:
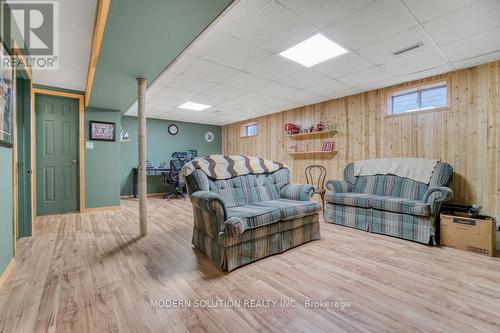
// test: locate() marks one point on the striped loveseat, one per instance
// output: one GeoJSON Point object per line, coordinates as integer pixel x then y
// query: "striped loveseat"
{"type": "Point", "coordinates": [243, 218]}
{"type": "Point", "coordinates": [389, 204]}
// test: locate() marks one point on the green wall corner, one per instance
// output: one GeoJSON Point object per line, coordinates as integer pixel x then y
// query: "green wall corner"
{"type": "Point", "coordinates": [102, 163]}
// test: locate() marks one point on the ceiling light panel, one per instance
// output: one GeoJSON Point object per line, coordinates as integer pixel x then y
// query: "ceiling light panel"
{"type": "Point", "coordinates": [194, 106]}
{"type": "Point", "coordinates": [313, 51]}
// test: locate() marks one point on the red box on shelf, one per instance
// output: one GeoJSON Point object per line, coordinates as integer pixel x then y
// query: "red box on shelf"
{"type": "Point", "coordinates": [328, 146]}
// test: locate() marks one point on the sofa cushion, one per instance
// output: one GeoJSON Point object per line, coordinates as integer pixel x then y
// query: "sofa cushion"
{"type": "Point", "coordinates": [232, 190]}
{"type": "Point", "coordinates": [255, 216]}
{"type": "Point", "coordinates": [259, 188]}
{"type": "Point", "coordinates": [401, 205]}
{"type": "Point", "coordinates": [291, 209]}
{"type": "Point", "coordinates": [390, 185]}
{"type": "Point", "coordinates": [350, 199]}
{"type": "Point", "coordinates": [295, 227]}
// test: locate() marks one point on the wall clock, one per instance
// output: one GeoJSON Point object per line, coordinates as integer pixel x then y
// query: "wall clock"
{"type": "Point", "coordinates": [173, 129]}
{"type": "Point", "coordinates": [209, 136]}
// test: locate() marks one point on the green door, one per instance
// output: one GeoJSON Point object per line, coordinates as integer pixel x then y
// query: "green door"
{"type": "Point", "coordinates": [57, 179]}
{"type": "Point", "coordinates": [23, 157]}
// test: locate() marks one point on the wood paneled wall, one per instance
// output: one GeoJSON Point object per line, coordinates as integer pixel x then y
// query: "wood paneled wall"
{"type": "Point", "coordinates": [467, 135]}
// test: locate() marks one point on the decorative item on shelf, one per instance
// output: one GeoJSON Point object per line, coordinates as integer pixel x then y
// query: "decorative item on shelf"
{"type": "Point", "coordinates": [292, 129]}
{"type": "Point", "coordinates": [292, 147]}
{"type": "Point", "coordinates": [102, 131]}
{"type": "Point", "coordinates": [320, 127]}
{"type": "Point", "coordinates": [328, 146]}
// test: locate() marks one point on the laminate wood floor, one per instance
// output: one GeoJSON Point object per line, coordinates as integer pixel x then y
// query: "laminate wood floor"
{"type": "Point", "coordinates": [91, 273]}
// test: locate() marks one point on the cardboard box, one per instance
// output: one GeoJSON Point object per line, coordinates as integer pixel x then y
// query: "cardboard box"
{"type": "Point", "coordinates": [461, 232]}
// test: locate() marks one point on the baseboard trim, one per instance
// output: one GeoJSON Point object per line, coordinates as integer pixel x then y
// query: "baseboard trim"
{"type": "Point", "coordinates": [97, 209]}
{"type": "Point", "coordinates": [5, 275]}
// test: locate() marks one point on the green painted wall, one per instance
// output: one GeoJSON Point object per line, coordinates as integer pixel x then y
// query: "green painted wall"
{"type": "Point", "coordinates": [102, 178]}
{"type": "Point", "coordinates": [6, 242]}
{"type": "Point", "coordinates": [6, 232]}
{"type": "Point", "coordinates": [161, 145]}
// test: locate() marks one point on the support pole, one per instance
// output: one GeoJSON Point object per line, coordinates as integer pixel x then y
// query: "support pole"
{"type": "Point", "coordinates": [143, 187]}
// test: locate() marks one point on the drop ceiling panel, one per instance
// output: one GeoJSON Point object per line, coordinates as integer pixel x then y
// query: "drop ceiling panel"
{"type": "Point", "coordinates": [210, 71]}
{"type": "Point", "coordinates": [299, 96]}
{"type": "Point", "coordinates": [167, 102]}
{"type": "Point", "coordinates": [382, 52]}
{"type": "Point", "coordinates": [376, 21]}
{"type": "Point", "coordinates": [274, 28]}
{"type": "Point", "coordinates": [223, 91]}
{"type": "Point", "coordinates": [494, 56]}
{"type": "Point", "coordinates": [275, 68]}
{"type": "Point", "coordinates": [236, 68]}
{"type": "Point", "coordinates": [343, 65]}
{"type": "Point", "coordinates": [208, 100]}
{"type": "Point", "coordinates": [426, 73]}
{"type": "Point", "coordinates": [274, 89]}
{"type": "Point", "coordinates": [166, 78]}
{"type": "Point", "coordinates": [324, 12]}
{"type": "Point", "coordinates": [474, 46]}
{"type": "Point", "coordinates": [465, 22]}
{"type": "Point", "coordinates": [175, 93]}
{"type": "Point", "coordinates": [304, 79]}
{"type": "Point", "coordinates": [327, 87]}
{"type": "Point", "coordinates": [235, 53]}
{"type": "Point", "coordinates": [426, 10]}
{"type": "Point", "coordinates": [365, 76]}
{"type": "Point", "coordinates": [245, 81]}
{"type": "Point", "coordinates": [415, 63]}
{"type": "Point", "coordinates": [183, 63]}
{"type": "Point", "coordinates": [187, 83]}
{"type": "Point", "coordinates": [239, 14]}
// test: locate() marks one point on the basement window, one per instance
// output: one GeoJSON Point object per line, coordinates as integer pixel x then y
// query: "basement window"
{"type": "Point", "coordinates": [249, 130]}
{"type": "Point", "coordinates": [419, 98]}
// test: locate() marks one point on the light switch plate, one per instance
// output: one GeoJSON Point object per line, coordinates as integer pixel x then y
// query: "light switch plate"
{"type": "Point", "coordinates": [89, 145]}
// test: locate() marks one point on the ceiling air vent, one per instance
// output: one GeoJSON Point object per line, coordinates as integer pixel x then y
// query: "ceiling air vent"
{"type": "Point", "coordinates": [408, 49]}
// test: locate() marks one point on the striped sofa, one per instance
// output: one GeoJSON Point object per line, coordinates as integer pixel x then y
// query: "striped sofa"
{"type": "Point", "coordinates": [245, 218]}
{"type": "Point", "coordinates": [389, 204]}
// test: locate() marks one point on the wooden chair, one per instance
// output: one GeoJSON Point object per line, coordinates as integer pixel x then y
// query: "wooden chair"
{"type": "Point", "coordinates": [319, 182]}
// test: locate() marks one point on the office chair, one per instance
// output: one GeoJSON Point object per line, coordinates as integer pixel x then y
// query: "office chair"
{"type": "Point", "coordinates": [172, 177]}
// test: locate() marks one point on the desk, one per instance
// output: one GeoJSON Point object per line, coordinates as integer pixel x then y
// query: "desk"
{"type": "Point", "coordinates": [150, 172]}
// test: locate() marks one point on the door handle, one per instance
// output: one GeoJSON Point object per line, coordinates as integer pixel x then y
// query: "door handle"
{"type": "Point", "coordinates": [74, 162]}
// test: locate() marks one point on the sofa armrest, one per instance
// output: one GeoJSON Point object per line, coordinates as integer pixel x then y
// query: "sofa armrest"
{"type": "Point", "coordinates": [235, 226]}
{"type": "Point", "coordinates": [301, 192]}
{"type": "Point", "coordinates": [435, 196]}
{"type": "Point", "coordinates": [213, 204]}
{"type": "Point", "coordinates": [338, 186]}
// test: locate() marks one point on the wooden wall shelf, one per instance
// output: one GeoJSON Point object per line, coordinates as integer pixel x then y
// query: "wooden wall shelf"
{"type": "Point", "coordinates": [313, 134]}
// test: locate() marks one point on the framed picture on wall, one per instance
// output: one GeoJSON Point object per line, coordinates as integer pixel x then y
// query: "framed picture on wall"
{"type": "Point", "coordinates": [6, 98]}
{"type": "Point", "coordinates": [102, 131]}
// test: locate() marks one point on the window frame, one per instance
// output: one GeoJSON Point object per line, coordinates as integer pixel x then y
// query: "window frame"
{"type": "Point", "coordinates": [244, 130]}
{"type": "Point", "coordinates": [418, 87]}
